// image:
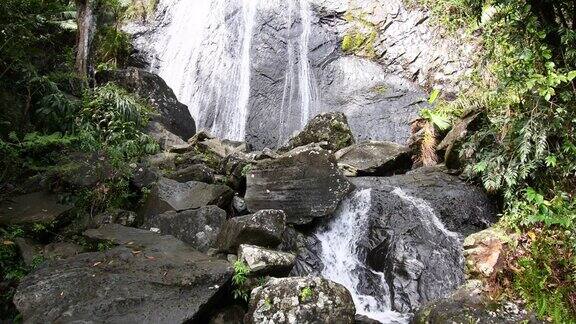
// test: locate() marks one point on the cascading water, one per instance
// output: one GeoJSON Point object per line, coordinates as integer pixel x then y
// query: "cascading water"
{"type": "Point", "coordinates": [341, 257]}
{"type": "Point", "coordinates": [204, 50]}
{"type": "Point", "coordinates": [344, 253]}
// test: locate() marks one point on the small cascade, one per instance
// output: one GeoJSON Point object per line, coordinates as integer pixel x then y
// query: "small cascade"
{"type": "Point", "coordinates": [205, 50]}
{"type": "Point", "coordinates": [429, 218]}
{"type": "Point", "coordinates": [343, 259]}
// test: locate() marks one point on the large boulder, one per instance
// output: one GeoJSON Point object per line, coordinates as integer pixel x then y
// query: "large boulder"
{"type": "Point", "coordinates": [405, 232]}
{"type": "Point", "coordinates": [302, 300]}
{"type": "Point", "coordinates": [462, 207]}
{"type": "Point", "coordinates": [469, 304]}
{"type": "Point", "coordinates": [172, 115]}
{"type": "Point", "coordinates": [262, 261]}
{"type": "Point", "coordinates": [263, 228]}
{"type": "Point", "coordinates": [148, 279]}
{"type": "Point", "coordinates": [331, 128]}
{"type": "Point", "coordinates": [375, 158]}
{"type": "Point", "coordinates": [37, 207]}
{"type": "Point", "coordinates": [304, 182]}
{"type": "Point", "coordinates": [170, 195]}
{"type": "Point", "coordinates": [196, 227]}
{"type": "Point", "coordinates": [195, 172]}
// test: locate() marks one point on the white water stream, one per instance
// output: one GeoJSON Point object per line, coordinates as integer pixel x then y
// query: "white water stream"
{"type": "Point", "coordinates": [340, 256]}
{"type": "Point", "coordinates": [205, 53]}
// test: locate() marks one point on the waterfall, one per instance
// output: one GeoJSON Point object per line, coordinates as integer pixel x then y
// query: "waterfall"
{"type": "Point", "coordinates": [204, 50]}
{"type": "Point", "coordinates": [429, 219]}
{"type": "Point", "coordinates": [341, 257]}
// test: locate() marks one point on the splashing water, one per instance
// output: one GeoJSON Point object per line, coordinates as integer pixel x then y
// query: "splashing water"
{"type": "Point", "coordinates": [341, 257]}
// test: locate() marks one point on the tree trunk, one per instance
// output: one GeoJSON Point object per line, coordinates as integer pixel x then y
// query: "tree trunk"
{"type": "Point", "coordinates": [86, 21]}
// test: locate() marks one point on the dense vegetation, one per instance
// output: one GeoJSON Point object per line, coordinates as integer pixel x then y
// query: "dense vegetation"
{"type": "Point", "coordinates": [525, 148]}
{"type": "Point", "coordinates": [50, 114]}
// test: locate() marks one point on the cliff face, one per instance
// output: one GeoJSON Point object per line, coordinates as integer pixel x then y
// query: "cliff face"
{"type": "Point", "coordinates": [259, 70]}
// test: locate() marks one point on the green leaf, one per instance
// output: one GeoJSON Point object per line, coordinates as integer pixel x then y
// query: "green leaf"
{"type": "Point", "coordinates": [434, 96]}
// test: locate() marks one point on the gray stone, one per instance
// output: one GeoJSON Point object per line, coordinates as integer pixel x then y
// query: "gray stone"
{"type": "Point", "coordinates": [170, 195]}
{"type": "Point", "coordinates": [30, 251]}
{"type": "Point", "coordinates": [148, 279]}
{"type": "Point", "coordinates": [263, 228]}
{"type": "Point", "coordinates": [38, 207]}
{"type": "Point", "coordinates": [282, 301]}
{"type": "Point", "coordinates": [195, 172]}
{"type": "Point", "coordinates": [262, 261]}
{"type": "Point", "coordinates": [331, 128]}
{"type": "Point", "coordinates": [196, 227]}
{"type": "Point", "coordinates": [61, 250]}
{"type": "Point", "coordinates": [469, 304]}
{"type": "Point", "coordinates": [375, 158]}
{"type": "Point", "coordinates": [304, 182]}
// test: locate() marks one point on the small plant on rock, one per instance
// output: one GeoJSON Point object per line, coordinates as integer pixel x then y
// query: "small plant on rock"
{"type": "Point", "coordinates": [306, 294]}
{"type": "Point", "coordinates": [241, 272]}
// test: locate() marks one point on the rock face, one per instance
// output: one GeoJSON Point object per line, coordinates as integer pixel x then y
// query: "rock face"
{"type": "Point", "coordinates": [407, 233]}
{"type": "Point", "coordinates": [173, 115]}
{"type": "Point", "coordinates": [468, 305]}
{"type": "Point", "coordinates": [485, 251]}
{"type": "Point", "coordinates": [196, 227]}
{"type": "Point", "coordinates": [461, 207]}
{"type": "Point", "coordinates": [148, 279]}
{"type": "Point", "coordinates": [304, 182]}
{"type": "Point", "coordinates": [169, 195]}
{"type": "Point", "coordinates": [331, 128]}
{"type": "Point", "coordinates": [303, 300]}
{"type": "Point", "coordinates": [265, 261]}
{"type": "Point", "coordinates": [37, 207]}
{"type": "Point", "coordinates": [375, 158]}
{"type": "Point", "coordinates": [263, 228]}
{"type": "Point", "coordinates": [195, 172]}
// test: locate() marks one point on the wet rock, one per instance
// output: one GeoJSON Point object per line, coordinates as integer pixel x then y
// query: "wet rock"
{"type": "Point", "coordinates": [263, 228]}
{"type": "Point", "coordinates": [33, 252]}
{"type": "Point", "coordinates": [148, 279]}
{"type": "Point", "coordinates": [304, 182]}
{"type": "Point", "coordinates": [300, 300]}
{"type": "Point", "coordinates": [169, 195]}
{"type": "Point", "coordinates": [470, 305]}
{"type": "Point", "coordinates": [172, 115]}
{"type": "Point", "coordinates": [485, 252]}
{"type": "Point", "coordinates": [462, 207]}
{"type": "Point", "coordinates": [306, 248]}
{"type": "Point", "coordinates": [195, 172]}
{"type": "Point", "coordinates": [375, 158]}
{"type": "Point", "coordinates": [331, 128]}
{"type": "Point", "coordinates": [38, 207]}
{"type": "Point", "coordinates": [196, 227]}
{"type": "Point", "coordinates": [86, 221]}
{"type": "Point", "coordinates": [234, 167]}
{"type": "Point", "coordinates": [265, 261]}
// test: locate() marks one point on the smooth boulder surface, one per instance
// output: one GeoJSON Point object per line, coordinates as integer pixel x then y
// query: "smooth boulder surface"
{"type": "Point", "coordinates": [462, 207]}
{"type": "Point", "coordinates": [304, 182]}
{"type": "Point", "coordinates": [172, 115]}
{"type": "Point", "coordinates": [265, 261]}
{"type": "Point", "coordinates": [196, 227]}
{"type": "Point", "coordinates": [375, 158]}
{"type": "Point", "coordinates": [331, 128]}
{"type": "Point", "coordinates": [302, 300]}
{"type": "Point", "coordinates": [148, 279]}
{"type": "Point", "coordinates": [170, 195]}
{"type": "Point", "coordinates": [37, 207]}
{"type": "Point", "coordinates": [263, 228]}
